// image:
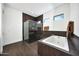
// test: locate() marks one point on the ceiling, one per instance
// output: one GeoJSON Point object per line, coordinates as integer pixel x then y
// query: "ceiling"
{"type": "Point", "coordinates": [34, 9]}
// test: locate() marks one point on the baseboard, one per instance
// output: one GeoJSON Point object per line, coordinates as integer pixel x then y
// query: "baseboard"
{"type": "Point", "coordinates": [12, 43]}
{"type": "Point", "coordinates": [4, 54]}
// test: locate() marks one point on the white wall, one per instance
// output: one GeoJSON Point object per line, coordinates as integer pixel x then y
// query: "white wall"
{"type": "Point", "coordinates": [58, 25]}
{"type": "Point", "coordinates": [12, 25]}
{"type": "Point", "coordinates": [75, 17]}
{"type": "Point", "coordinates": [49, 16]}
{"type": "Point", "coordinates": [1, 47]}
{"type": "Point", "coordinates": [62, 24]}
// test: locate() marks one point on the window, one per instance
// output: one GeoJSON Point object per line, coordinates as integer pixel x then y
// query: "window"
{"type": "Point", "coordinates": [58, 17]}
{"type": "Point", "coordinates": [46, 20]}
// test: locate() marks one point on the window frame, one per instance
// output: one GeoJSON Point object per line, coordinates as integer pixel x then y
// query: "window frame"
{"type": "Point", "coordinates": [57, 16]}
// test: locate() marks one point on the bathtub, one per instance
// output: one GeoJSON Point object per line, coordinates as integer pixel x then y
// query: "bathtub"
{"type": "Point", "coordinates": [58, 42]}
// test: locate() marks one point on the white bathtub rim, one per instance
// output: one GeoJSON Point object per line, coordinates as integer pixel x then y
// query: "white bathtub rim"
{"type": "Point", "coordinates": [65, 49]}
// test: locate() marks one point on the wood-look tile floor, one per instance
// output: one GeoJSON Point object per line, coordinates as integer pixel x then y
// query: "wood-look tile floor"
{"type": "Point", "coordinates": [21, 49]}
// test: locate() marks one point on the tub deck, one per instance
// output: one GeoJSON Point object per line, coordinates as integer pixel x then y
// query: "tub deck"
{"type": "Point", "coordinates": [45, 48]}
